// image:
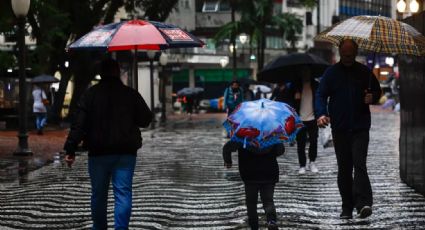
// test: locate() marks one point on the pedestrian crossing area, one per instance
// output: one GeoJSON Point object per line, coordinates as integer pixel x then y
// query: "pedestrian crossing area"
{"type": "Point", "coordinates": [180, 183]}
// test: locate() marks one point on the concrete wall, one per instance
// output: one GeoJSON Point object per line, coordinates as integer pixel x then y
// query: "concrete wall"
{"type": "Point", "coordinates": [412, 120]}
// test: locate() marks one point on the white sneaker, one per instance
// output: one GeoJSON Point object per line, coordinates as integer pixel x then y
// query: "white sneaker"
{"type": "Point", "coordinates": [313, 167]}
{"type": "Point", "coordinates": [301, 171]}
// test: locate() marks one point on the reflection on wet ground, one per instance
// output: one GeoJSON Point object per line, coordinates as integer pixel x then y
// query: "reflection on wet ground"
{"type": "Point", "coordinates": [180, 183]}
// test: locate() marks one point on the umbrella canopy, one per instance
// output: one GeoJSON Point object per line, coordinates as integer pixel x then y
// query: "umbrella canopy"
{"type": "Point", "coordinates": [44, 79]}
{"type": "Point", "coordinates": [189, 91]}
{"type": "Point", "coordinates": [286, 68]}
{"type": "Point", "coordinates": [136, 35]}
{"type": "Point", "coordinates": [262, 123]}
{"type": "Point", "coordinates": [262, 88]}
{"type": "Point", "coordinates": [377, 34]}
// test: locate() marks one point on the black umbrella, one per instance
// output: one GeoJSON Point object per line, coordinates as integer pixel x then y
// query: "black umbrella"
{"type": "Point", "coordinates": [44, 79]}
{"type": "Point", "coordinates": [285, 68]}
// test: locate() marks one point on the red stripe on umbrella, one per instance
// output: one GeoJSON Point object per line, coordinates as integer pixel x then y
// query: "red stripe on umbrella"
{"type": "Point", "coordinates": [129, 37]}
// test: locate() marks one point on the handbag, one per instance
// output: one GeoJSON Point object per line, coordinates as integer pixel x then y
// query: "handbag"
{"type": "Point", "coordinates": [45, 101]}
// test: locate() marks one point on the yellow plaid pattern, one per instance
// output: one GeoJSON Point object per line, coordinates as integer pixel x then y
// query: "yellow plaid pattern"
{"type": "Point", "coordinates": [377, 34]}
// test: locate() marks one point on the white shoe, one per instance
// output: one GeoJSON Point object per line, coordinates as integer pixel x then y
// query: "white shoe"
{"type": "Point", "coordinates": [313, 167]}
{"type": "Point", "coordinates": [301, 171]}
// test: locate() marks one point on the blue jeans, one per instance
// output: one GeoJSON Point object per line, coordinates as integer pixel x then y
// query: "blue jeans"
{"type": "Point", "coordinates": [119, 168]}
{"type": "Point", "coordinates": [40, 120]}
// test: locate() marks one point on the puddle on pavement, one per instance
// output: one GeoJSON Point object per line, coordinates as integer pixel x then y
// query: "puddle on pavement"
{"type": "Point", "coordinates": [17, 169]}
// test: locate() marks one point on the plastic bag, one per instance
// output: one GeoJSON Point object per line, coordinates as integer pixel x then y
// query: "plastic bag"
{"type": "Point", "coordinates": [325, 137]}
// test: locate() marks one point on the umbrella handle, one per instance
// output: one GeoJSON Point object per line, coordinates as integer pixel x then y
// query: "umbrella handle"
{"type": "Point", "coordinates": [371, 74]}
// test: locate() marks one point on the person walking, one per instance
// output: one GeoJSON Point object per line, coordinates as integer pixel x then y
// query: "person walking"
{"type": "Point", "coordinates": [39, 107]}
{"type": "Point", "coordinates": [248, 93]}
{"type": "Point", "coordinates": [350, 88]}
{"type": "Point", "coordinates": [284, 92]}
{"type": "Point", "coordinates": [304, 105]}
{"type": "Point", "coordinates": [233, 96]}
{"type": "Point", "coordinates": [260, 173]}
{"type": "Point", "coordinates": [108, 119]}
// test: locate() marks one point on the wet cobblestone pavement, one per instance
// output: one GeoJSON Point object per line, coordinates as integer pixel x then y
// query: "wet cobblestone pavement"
{"type": "Point", "coordinates": [180, 183]}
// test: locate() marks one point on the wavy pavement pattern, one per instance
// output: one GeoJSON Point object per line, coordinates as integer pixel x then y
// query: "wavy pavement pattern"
{"type": "Point", "coordinates": [180, 183]}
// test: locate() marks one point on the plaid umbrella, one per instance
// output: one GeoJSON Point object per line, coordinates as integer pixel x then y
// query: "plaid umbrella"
{"type": "Point", "coordinates": [377, 34]}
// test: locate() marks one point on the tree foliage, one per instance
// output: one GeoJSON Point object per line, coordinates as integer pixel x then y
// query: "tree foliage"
{"type": "Point", "coordinates": [257, 19]}
{"type": "Point", "coordinates": [56, 23]}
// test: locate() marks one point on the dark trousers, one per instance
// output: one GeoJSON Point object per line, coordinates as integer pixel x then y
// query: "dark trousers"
{"type": "Point", "coordinates": [311, 130]}
{"type": "Point", "coordinates": [266, 193]}
{"type": "Point", "coordinates": [351, 153]}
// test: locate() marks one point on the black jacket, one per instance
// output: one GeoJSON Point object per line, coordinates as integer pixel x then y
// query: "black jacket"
{"type": "Point", "coordinates": [255, 167]}
{"type": "Point", "coordinates": [108, 119]}
{"type": "Point", "coordinates": [345, 88]}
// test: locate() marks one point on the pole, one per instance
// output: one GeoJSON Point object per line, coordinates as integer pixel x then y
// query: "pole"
{"type": "Point", "coordinates": [164, 81]}
{"type": "Point", "coordinates": [152, 93]}
{"type": "Point", "coordinates": [135, 77]}
{"type": "Point", "coordinates": [234, 44]}
{"type": "Point", "coordinates": [318, 16]}
{"type": "Point", "coordinates": [23, 116]}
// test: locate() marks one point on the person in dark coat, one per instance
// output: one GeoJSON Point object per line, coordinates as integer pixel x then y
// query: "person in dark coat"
{"type": "Point", "coordinates": [306, 87]}
{"type": "Point", "coordinates": [345, 92]}
{"type": "Point", "coordinates": [233, 96]}
{"type": "Point", "coordinates": [284, 92]}
{"type": "Point", "coordinates": [259, 172]}
{"type": "Point", "coordinates": [108, 119]}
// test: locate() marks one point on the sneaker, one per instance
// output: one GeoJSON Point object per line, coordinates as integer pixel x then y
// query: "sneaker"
{"type": "Point", "coordinates": [366, 211]}
{"type": "Point", "coordinates": [346, 214]}
{"type": "Point", "coordinates": [301, 171]}
{"type": "Point", "coordinates": [272, 225]}
{"type": "Point", "coordinates": [313, 167]}
{"type": "Point", "coordinates": [307, 166]}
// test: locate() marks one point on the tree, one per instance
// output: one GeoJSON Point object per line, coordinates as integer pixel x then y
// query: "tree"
{"type": "Point", "coordinates": [291, 25]}
{"type": "Point", "coordinates": [257, 20]}
{"type": "Point", "coordinates": [55, 23]}
{"type": "Point", "coordinates": [7, 26]}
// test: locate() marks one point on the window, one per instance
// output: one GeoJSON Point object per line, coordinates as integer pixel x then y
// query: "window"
{"type": "Point", "coordinates": [293, 3]}
{"type": "Point", "coordinates": [224, 5]}
{"type": "Point", "coordinates": [210, 6]}
{"type": "Point", "coordinates": [274, 42]}
{"type": "Point", "coordinates": [10, 37]}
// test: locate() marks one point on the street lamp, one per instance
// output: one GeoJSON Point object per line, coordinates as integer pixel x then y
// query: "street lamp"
{"type": "Point", "coordinates": [20, 9]}
{"type": "Point", "coordinates": [223, 63]}
{"type": "Point", "coordinates": [163, 60]}
{"type": "Point", "coordinates": [243, 38]}
{"type": "Point", "coordinates": [413, 6]}
{"type": "Point", "coordinates": [151, 55]}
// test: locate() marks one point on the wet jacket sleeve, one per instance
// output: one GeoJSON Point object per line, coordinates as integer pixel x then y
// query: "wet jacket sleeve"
{"type": "Point", "coordinates": [375, 88]}
{"type": "Point", "coordinates": [228, 148]}
{"type": "Point", "coordinates": [77, 131]}
{"type": "Point", "coordinates": [144, 115]}
{"type": "Point", "coordinates": [279, 149]}
{"type": "Point", "coordinates": [322, 95]}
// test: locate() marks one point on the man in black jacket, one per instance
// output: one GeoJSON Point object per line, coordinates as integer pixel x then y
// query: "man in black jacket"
{"type": "Point", "coordinates": [108, 119]}
{"type": "Point", "coordinates": [350, 87]}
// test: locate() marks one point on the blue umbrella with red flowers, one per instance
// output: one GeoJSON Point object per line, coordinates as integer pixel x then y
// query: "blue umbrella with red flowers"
{"type": "Point", "coordinates": [262, 123]}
